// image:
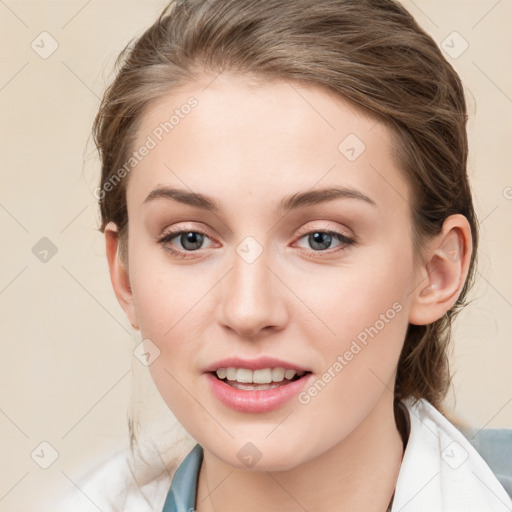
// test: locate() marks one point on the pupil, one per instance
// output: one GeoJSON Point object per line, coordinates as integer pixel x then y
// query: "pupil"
{"type": "Point", "coordinates": [195, 239]}
{"type": "Point", "coordinates": [321, 239]}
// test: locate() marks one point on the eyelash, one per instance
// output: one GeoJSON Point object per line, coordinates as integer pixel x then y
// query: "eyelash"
{"type": "Point", "coordinates": [345, 242]}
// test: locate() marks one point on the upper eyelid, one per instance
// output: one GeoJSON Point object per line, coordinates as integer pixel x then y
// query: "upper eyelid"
{"type": "Point", "coordinates": [305, 231]}
{"type": "Point", "coordinates": [175, 234]}
{"type": "Point", "coordinates": [302, 231]}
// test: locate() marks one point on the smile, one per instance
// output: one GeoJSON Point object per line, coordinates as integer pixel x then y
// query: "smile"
{"type": "Point", "coordinates": [272, 377]}
{"type": "Point", "coordinates": [256, 391]}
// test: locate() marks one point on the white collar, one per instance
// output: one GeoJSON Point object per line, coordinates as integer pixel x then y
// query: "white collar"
{"type": "Point", "coordinates": [441, 471]}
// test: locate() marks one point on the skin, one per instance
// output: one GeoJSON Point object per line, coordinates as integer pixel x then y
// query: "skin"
{"type": "Point", "coordinates": [247, 146]}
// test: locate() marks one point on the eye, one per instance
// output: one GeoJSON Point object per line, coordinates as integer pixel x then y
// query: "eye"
{"type": "Point", "coordinates": [322, 239]}
{"type": "Point", "coordinates": [190, 241]}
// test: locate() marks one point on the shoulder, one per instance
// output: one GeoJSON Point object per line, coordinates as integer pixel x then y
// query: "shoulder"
{"type": "Point", "coordinates": [442, 470]}
{"type": "Point", "coordinates": [123, 482]}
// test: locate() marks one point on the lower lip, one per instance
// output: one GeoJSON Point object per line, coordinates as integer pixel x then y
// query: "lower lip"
{"type": "Point", "coordinates": [255, 401]}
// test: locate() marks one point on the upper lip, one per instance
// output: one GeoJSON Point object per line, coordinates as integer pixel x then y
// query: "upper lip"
{"type": "Point", "coordinates": [254, 364]}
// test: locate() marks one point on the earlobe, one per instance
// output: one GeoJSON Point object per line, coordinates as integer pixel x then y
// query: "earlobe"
{"type": "Point", "coordinates": [444, 272]}
{"type": "Point", "coordinates": [118, 274]}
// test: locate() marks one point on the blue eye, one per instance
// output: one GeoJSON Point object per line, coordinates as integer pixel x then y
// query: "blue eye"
{"type": "Point", "coordinates": [318, 240]}
{"type": "Point", "coordinates": [190, 241]}
{"type": "Point", "coordinates": [321, 240]}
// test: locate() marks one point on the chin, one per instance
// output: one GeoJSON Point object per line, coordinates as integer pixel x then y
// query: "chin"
{"type": "Point", "coordinates": [260, 456]}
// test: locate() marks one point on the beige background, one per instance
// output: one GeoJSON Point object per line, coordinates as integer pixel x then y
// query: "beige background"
{"type": "Point", "coordinates": [67, 368]}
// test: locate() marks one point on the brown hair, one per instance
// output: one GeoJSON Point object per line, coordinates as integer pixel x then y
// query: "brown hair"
{"type": "Point", "coordinates": [370, 52]}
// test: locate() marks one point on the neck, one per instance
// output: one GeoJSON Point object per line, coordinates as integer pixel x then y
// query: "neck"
{"type": "Point", "coordinates": [358, 473]}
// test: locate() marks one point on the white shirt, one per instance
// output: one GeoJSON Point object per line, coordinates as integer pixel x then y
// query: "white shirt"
{"type": "Point", "coordinates": [440, 472]}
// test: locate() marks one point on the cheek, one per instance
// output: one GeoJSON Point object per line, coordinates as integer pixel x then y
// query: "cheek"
{"type": "Point", "coordinates": [366, 310]}
{"type": "Point", "coordinates": [169, 313]}
{"type": "Point", "coordinates": [164, 294]}
{"type": "Point", "coordinates": [368, 313]}
{"type": "Point", "coordinates": [346, 301]}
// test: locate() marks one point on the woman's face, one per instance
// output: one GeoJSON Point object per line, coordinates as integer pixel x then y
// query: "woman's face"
{"type": "Point", "coordinates": [321, 281]}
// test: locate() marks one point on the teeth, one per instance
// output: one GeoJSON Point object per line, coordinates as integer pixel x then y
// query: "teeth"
{"type": "Point", "coordinates": [278, 374]}
{"type": "Point", "coordinates": [288, 374]}
{"type": "Point", "coordinates": [231, 373]}
{"type": "Point", "coordinates": [263, 376]}
{"type": "Point", "coordinates": [243, 375]}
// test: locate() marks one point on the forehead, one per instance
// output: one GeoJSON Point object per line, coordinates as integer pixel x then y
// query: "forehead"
{"type": "Point", "coordinates": [263, 141]}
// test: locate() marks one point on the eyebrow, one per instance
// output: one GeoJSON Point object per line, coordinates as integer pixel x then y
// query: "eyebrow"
{"type": "Point", "coordinates": [293, 202]}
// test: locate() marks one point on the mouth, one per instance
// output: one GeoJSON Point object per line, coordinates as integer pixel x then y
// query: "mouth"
{"type": "Point", "coordinates": [259, 390]}
{"type": "Point", "coordinates": [257, 380]}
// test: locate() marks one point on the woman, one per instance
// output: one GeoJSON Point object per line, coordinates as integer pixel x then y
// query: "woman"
{"type": "Point", "coordinates": [289, 224]}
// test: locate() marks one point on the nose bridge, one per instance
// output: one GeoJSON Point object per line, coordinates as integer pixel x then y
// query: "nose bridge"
{"type": "Point", "coordinates": [251, 300]}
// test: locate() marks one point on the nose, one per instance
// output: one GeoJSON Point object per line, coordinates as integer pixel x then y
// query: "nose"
{"type": "Point", "coordinates": [252, 298]}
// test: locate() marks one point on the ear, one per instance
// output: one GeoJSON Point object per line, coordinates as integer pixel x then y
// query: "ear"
{"type": "Point", "coordinates": [443, 274]}
{"type": "Point", "coordinates": [119, 275]}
